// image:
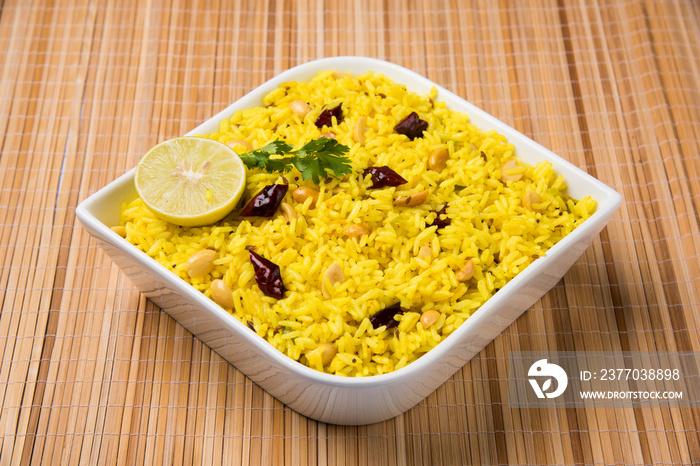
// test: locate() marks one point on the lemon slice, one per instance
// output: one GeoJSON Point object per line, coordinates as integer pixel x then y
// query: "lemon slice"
{"type": "Point", "coordinates": [190, 181]}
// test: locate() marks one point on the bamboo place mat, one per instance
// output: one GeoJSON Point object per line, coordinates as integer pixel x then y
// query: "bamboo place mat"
{"type": "Point", "coordinates": [94, 373]}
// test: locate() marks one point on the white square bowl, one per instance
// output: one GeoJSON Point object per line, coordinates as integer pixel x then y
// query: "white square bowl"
{"type": "Point", "coordinates": [326, 397]}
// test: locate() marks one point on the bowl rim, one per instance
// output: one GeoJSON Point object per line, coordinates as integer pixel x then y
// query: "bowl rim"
{"type": "Point", "coordinates": [433, 356]}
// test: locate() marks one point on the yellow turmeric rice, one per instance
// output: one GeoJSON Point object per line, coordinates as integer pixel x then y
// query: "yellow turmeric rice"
{"type": "Point", "coordinates": [486, 217]}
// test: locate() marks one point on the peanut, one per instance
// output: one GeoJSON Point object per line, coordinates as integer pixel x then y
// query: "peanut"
{"type": "Point", "coordinates": [466, 272]}
{"type": "Point", "coordinates": [299, 108]}
{"type": "Point", "coordinates": [200, 263]}
{"type": "Point", "coordinates": [302, 193]}
{"type": "Point", "coordinates": [233, 143]}
{"type": "Point", "coordinates": [428, 318]}
{"type": "Point", "coordinates": [412, 200]}
{"type": "Point", "coordinates": [357, 230]}
{"type": "Point", "coordinates": [120, 230]}
{"type": "Point", "coordinates": [221, 293]}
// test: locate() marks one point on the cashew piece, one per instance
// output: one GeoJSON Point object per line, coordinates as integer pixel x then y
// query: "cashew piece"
{"type": "Point", "coordinates": [530, 198]}
{"type": "Point", "coordinates": [288, 212]}
{"type": "Point", "coordinates": [438, 159]}
{"type": "Point", "coordinates": [333, 275]}
{"type": "Point", "coordinates": [358, 132]}
{"type": "Point", "coordinates": [425, 253]}
{"type": "Point", "coordinates": [508, 166]}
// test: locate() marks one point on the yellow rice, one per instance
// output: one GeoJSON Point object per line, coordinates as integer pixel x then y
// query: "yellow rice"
{"type": "Point", "coordinates": [488, 224]}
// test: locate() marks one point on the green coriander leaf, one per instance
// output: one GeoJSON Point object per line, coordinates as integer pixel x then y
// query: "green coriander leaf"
{"type": "Point", "coordinates": [337, 165]}
{"type": "Point", "coordinates": [276, 147]}
{"type": "Point", "coordinates": [281, 165]}
{"type": "Point", "coordinates": [252, 160]}
{"type": "Point", "coordinates": [320, 157]}
{"type": "Point", "coordinates": [260, 158]}
{"type": "Point", "coordinates": [308, 167]}
{"type": "Point", "coordinates": [315, 160]}
{"type": "Point", "coordinates": [325, 146]}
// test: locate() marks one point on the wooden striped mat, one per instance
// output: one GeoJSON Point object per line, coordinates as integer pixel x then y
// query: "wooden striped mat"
{"type": "Point", "coordinates": [93, 373]}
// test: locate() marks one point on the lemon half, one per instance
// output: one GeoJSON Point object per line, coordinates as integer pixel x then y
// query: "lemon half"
{"type": "Point", "coordinates": [190, 181]}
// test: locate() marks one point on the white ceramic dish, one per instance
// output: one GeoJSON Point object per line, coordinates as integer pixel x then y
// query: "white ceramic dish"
{"type": "Point", "coordinates": [327, 397]}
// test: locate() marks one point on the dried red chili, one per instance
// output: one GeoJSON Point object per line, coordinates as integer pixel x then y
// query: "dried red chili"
{"type": "Point", "coordinates": [326, 116]}
{"type": "Point", "coordinates": [411, 126]}
{"type": "Point", "coordinates": [386, 316]}
{"type": "Point", "coordinates": [441, 223]}
{"type": "Point", "coordinates": [267, 275]}
{"type": "Point", "coordinates": [266, 202]}
{"type": "Point", "coordinates": [383, 177]}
